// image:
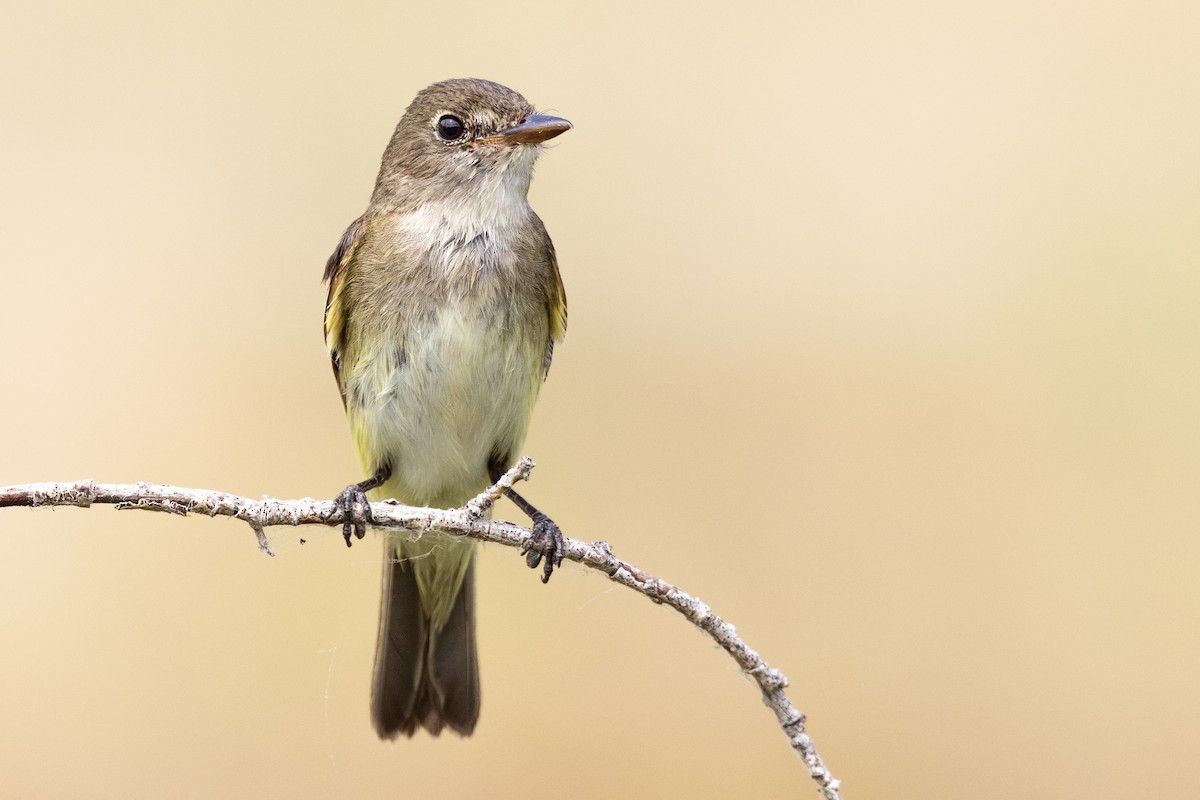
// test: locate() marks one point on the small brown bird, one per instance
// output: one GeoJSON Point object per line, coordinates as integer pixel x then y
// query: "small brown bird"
{"type": "Point", "coordinates": [444, 306]}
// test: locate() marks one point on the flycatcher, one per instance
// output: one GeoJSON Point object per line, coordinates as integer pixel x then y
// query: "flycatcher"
{"type": "Point", "coordinates": [444, 306]}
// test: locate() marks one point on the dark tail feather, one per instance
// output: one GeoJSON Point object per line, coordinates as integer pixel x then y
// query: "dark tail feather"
{"type": "Point", "coordinates": [424, 678]}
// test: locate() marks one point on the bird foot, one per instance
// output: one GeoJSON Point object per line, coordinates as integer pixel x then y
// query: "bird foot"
{"type": "Point", "coordinates": [546, 542]}
{"type": "Point", "coordinates": [356, 511]}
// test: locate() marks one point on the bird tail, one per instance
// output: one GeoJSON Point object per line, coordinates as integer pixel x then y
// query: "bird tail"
{"type": "Point", "coordinates": [424, 676]}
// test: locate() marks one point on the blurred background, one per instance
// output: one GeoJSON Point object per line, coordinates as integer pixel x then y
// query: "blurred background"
{"type": "Point", "coordinates": [884, 342]}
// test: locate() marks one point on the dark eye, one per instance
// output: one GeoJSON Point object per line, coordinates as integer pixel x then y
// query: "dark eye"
{"type": "Point", "coordinates": [450, 128]}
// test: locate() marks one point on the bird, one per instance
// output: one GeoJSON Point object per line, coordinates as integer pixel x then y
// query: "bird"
{"type": "Point", "coordinates": [444, 307]}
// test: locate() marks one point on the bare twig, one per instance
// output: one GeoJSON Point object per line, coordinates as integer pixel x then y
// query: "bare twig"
{"type": "Point", "coordinates": [467, 521]}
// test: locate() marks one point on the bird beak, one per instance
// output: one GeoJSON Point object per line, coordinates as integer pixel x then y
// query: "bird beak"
{"type": "Point", "coordinates": [533, 129]}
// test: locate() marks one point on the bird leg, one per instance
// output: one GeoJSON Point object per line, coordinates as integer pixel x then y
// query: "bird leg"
{"type": "Point", "coordinates": [547, 539]}
{"type": "Point", "coordinates": [355, 508]}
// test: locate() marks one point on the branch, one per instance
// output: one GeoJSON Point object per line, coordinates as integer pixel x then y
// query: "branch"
{"type": "Point", "coordinates": [468, 521]}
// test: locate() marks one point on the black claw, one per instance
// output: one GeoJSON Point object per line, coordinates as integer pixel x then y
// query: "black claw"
{"type": "Point", "coordinates": [355, 508]}
{"type": "Point", "coordinates": [356, 512]}
{"type": "Point", "coordinates": [547, 542]}
{"type": "Point", "coordinates": [547, 539]}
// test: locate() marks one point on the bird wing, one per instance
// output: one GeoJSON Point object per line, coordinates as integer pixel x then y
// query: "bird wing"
{"type": "Point", "coordinates": [556, 301]}
{"type": "Point", "coordinates": [336, 312]}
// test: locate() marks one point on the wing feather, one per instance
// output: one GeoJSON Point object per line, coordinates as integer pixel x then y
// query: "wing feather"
{"type": "Point", "coordinates": [336, 312]}
{"type": "Point", "coordinates": [556, 306]}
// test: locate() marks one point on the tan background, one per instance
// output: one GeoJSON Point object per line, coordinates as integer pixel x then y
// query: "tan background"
{"type": "Point", "coordinates": [884, 341]}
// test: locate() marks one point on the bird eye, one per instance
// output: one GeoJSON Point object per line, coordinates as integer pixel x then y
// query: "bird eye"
{"type": "Point", "coordinates": [450, 128]}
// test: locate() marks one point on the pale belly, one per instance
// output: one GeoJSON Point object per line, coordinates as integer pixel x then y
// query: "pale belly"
{"type": "Point", "coordinates": [437, 409]}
